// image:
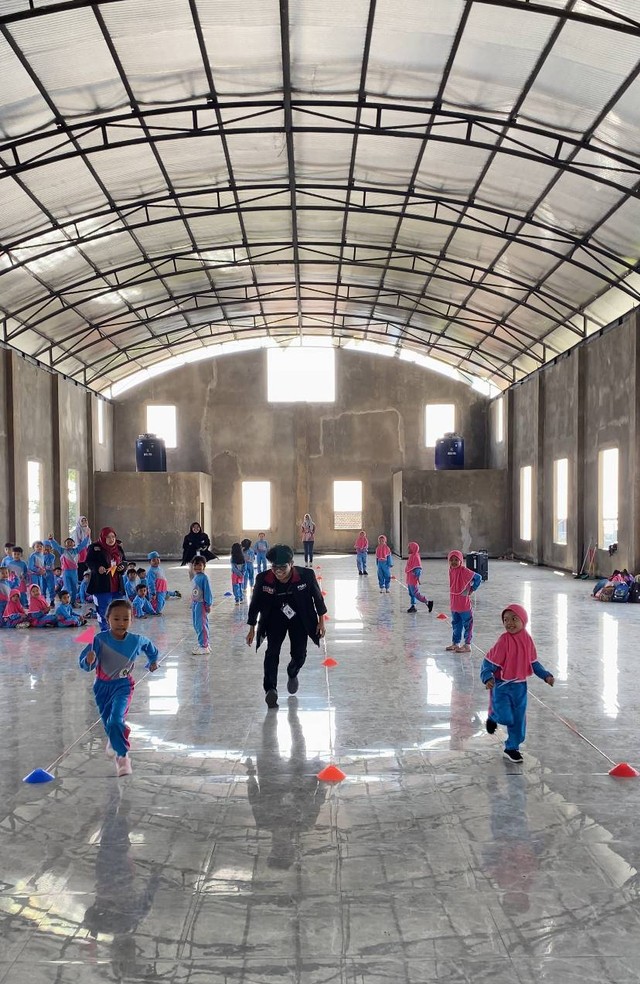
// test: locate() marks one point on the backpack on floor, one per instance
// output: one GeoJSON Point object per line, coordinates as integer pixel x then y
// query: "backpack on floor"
{"type": "Point", "coordinates": [634, 592]}
{"type": "Point", "coordinates": [621, 592]}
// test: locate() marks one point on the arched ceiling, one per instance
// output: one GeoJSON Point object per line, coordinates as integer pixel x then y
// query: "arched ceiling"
{"type": "Point", "coordinates": [458, 178]}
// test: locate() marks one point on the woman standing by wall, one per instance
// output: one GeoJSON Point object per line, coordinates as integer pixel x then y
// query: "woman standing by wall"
{"type": "Point", "coordinates": [308, 532]}
{"type": "Point", "coordinates": [106, 561]}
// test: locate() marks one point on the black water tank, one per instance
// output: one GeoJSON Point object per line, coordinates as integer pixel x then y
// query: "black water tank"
{"type": "Point", "coordinates": [449, 452]}
{"type": "Point", "coordinates": [151, 454]}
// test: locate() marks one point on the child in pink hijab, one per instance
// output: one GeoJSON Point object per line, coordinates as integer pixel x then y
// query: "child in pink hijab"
{"type": "Point", "coordinates": [15, 617]}
{"type": "Point", "coordinates": [412, 572]}
{"type": "Point", "coordinates": [462, 583]}
{"type": "Point", "coordinates": [361, 547]}
{"type": "Point", "coordinates": [38, 613]}
{"type": "Point", "coordinates": [504, 672]}
{"type": "Point", "coordinates": [384, 563]}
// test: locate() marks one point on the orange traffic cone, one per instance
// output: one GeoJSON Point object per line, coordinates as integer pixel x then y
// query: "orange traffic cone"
{"type": "Point", "coordinates": [331, 774]}
{"type": "Point", "coordinates": [329, 661]}
{"type": "Point", "coordinates": [624, 771]}
{"type": "Point", "coordinates": [442, 616]}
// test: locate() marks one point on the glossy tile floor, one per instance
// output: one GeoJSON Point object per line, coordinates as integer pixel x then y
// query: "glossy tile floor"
{"type": "Point", "coordinates": [223, 859]}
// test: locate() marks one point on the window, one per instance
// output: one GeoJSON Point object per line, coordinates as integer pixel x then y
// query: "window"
{"type": "Point", "coordinates": [525, 502]}
{"type": "Point", "coordinates": [100, 421]}
{"type": "Point", "coordinates": [608, 497]}
{"type": "Point", "coordinates": [161, 421]}
{"type": "Point", "coordinates": [34, 493]}
{"type": "Point", "coordinates": [73, 496]}
{"type": "Point", "coordinates": [440, 419]}
{"type": "Point", "coordinates": [499, 420]}
{"type": "Point", "coordinates": [560, 500]}
{"type": "Point", "coordinates": [347, 505]}
{"type": "Point", "coordinates": [301, 375]}
{"type": "Point", "coordinates": [256, 506]}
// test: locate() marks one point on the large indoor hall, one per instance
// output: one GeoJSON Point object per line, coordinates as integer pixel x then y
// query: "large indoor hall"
{"type": "Point", "coordinates": [319, 491]}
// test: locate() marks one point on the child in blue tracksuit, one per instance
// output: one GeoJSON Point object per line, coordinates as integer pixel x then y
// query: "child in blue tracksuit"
{"type": "Point", "coordinates": [58, 580]}
{"type": "Point", "coordinates": [237, 571]}
{"type": "Point", "coordinates": [261, 546]}
{"type": "Point", "coordinates": [49, 560]}
{"type": "Point", "coordinates": [141, 605]}
{"type": "Point", "coordinates": [18, 572]}
{"type": "Point", "coordinates": [113, 654]}
{"type": "Point", "coordinates": [64, 613]}
{"type": "Point", "coordinates": [130, 584]}
{"type": "Point", "coordinates": [69, 562]}
{"type": "Point", "coordinates": [36, 566]}
{"type": "Point", "coordinates": [249, 555]}
{"type": "Point", "coordinates": [504, 672]}
{"type": "Point", "coordinates": [157, 583]}
{"type": "Point", "coordinates": [462, 584]}
{"type": "Point", "coordinates": [412, 573]}
{"type": "Point", "coordinates": [201, 602]}
{"type": "Point", "coordinates": [5, 591]}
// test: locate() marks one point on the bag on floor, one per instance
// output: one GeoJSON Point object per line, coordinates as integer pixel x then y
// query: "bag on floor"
{"type": "Point", "coordinates": [634, 592]}
{"type": "Point", "coordinates": [621, 592]}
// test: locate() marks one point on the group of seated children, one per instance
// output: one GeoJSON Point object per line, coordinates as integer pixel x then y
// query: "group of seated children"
{"type": "Point", "coordinates": [41, 593]}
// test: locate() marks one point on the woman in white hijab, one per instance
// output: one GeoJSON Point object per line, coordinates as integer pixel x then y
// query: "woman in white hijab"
{"type": "Point", "coordinates": [81, 531]}
{"type": "Point", "coordinates": [308, 532]}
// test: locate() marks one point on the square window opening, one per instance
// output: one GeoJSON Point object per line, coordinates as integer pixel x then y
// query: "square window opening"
{"type": "Point", "coordinates": [440, 419]}
{"type": "Point", "coordinates": [608, 464]}
{"type": "Point", "coordinates": [161, 421]}
{"type": "Point", "coordinates": [301, 375]}
{"type": "Point", "coordinates": [256, 506]}
{"type": "Point", "coordinates": [347, 505]}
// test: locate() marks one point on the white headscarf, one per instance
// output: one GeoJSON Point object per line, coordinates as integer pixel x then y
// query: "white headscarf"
{"type": "Point", "coordinates": [82, 530]}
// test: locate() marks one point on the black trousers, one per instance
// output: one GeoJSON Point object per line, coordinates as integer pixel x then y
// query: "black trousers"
{"type": "Point", "coordinates": [276, 634]}
{"type": "Point", "coordinates": [308, 551]}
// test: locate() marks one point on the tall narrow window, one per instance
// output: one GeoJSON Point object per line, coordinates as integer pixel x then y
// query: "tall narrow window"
{"type": "Point", "coordinates": [440, 419]}
{"type": "Point", "coordinates": [161, 421]}
{"type": "Point", "coordinates": [34, 498]}
{"type": "Point", "coordinates": [608, 497]}
{"type": "Point", "coordinates": [73, 496]}
{"type": "Point", "coordinates": [525, 502]}
{"type": "Point", "coordinates": [560, 500]}
{"type": "Point", "coordinates": [256, 506]}
{"type": "Point", "coordinates": [500, 420]}
{"type": "Point", "coordinates": [347, 505]}
{"type": "Point", "coordinates": [100, 421]}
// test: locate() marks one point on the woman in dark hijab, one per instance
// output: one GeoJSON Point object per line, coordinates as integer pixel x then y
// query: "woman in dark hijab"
{"type": "Point", "coordinates": [106, 560]}
{"type": "Point", "coordinates": [196, 543]}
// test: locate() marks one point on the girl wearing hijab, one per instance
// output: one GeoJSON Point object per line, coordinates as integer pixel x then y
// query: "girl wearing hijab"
{"type": "Point", "coordinates": [195, 544]}
{"type": "Point", "coordinates": [38, 611]}
{"type": "Point", "coordinates": [106, 561]}
{"type": "Point", "coordinates": [82, 532]}
{"type": "Point", "coordinates": [308, 529]}
{"type": "Point", "coordinates": [361, 547]}
{"type": "Point", "coordinates": [384, 563]}
{"type": "Point", "coordinates": [462, 583]}
{"type": "Point", "coordinates": [412, 572]}
{"type": "Point", "coordinates": [504, 673]}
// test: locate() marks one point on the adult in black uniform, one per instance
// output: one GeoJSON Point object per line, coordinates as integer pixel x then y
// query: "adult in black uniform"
{"type": "Point", "coordinates": [289, 601]}
{"type": "Point", "coordinates": [196, 542]}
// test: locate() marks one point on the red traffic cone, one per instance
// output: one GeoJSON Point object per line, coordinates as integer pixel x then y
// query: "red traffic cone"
{"type": "Point", "coordinates": [324, 594]}
{"type": "Point", "coordinates": [624, 771]}
{"type": "Point", "coordinates": [88, 634]}
{"type": "Point", "coordinates": [442, 616]}
{"type": "Point", "coordinates": [331, 774]}
{"type": "Point", "coordinates": [329, 661]}
{"type": "Point", "coordinates": [393, 577]}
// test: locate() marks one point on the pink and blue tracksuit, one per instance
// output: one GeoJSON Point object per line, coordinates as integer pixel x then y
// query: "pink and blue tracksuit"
{"type": "Point", "coordinates": [510, 661]}
{"type": "Point", "coordinates": [142, 607]}
{"type": "Point", "coordinates": [412, 572]}
{"type": "Point", "coordinates": [361, 547]}
{"type": "Point", "coordinates": [384, 563]}
{"type": "Point", "coordinates": [113, 687]}
{"type": "Point", "coordinates": [66, 617]}
{"type": "Point", "coordinates": [19, 576]}
{"type": "Point", "coordinates": [261, 546]}
{"type": "Point", "coordinates": [462, 584]}
{"type": "Point", "coordinates": [37, 570]}
{"type": "Point", "coordinates": [14, 612]}
{"type": "Point", "coordinates": [157, 584]}
{"type": "Point", "coordinates": [69, 565]}
{"type": "Point", "coordinates": [39, 615]}
{"type": "Point", "coordinates": [5, 591]}
{"type": "Point", "coordinates": [49, 589]}
{"type": "Point", "coordinates": [237, 580]}
{"type": "Point", "coordinates": [201, 602]}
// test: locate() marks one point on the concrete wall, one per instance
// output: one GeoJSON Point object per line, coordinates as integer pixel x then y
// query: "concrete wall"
{"type": "Point", "coordinates": [585, 402]}
{"type": "Point", "coordinates": [45, 418]}
{"type": "Point", "coordinates": [153, 510]}
{"type": "Point", "coordinates": [227, 428]}
{"type": "Point", "coordinates": [455, 510]}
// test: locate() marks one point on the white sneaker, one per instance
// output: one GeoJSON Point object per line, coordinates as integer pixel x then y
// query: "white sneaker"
{"type": "Point", "coordinates": [123, 766]}
{"type": "Point", "coordinates": [109, 750]}
{"type": "Point", "coordinates": [201, 651]}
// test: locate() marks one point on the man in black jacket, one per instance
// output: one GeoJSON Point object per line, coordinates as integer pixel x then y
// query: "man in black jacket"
{"type": "Point", "coordinates": [289, 601]}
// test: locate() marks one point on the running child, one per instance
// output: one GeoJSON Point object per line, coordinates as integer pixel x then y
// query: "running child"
{"type": "Point", "coordinates": [249, 555]}
{"type": "Point", "coordinates": [237, 571]}
{"type": "Point", "coordinates": [412, 572]}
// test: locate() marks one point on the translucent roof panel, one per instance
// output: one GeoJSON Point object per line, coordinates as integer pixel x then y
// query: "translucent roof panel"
{"type": "Point", "coordinates": [449, 178]}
